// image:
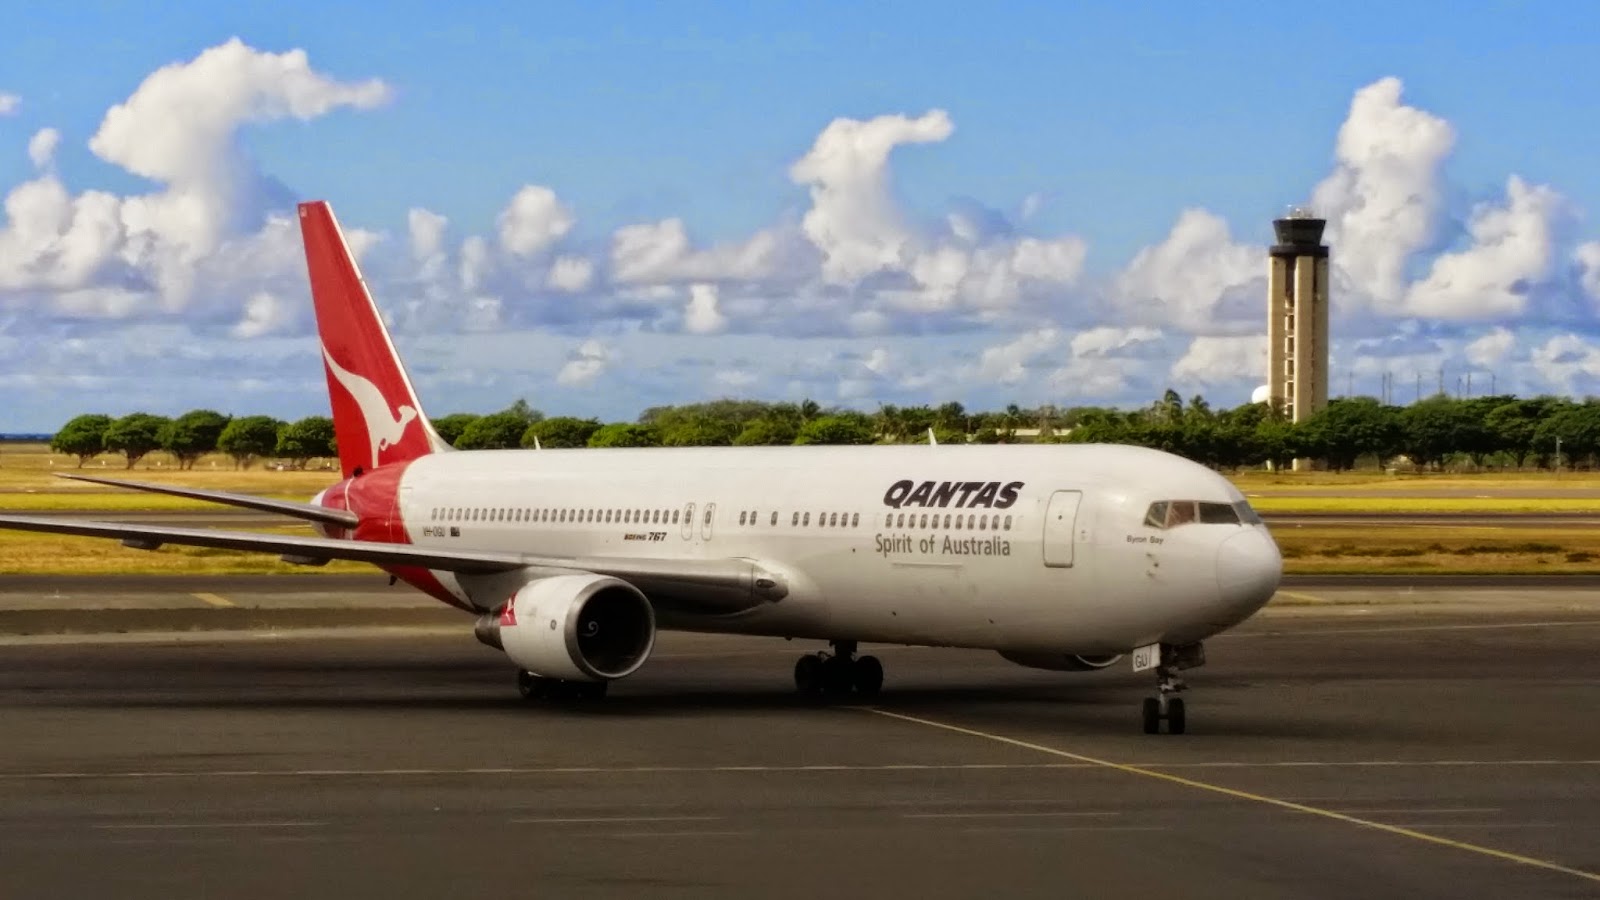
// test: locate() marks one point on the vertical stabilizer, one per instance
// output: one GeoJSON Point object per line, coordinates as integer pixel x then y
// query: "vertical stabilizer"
{"type": "Point", "coordinates": [376, 415]}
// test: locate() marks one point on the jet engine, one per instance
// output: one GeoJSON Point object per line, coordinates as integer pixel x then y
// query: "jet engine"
{"type": "Point", "coordinates": [573, 627]}
{"type": "Point", "coordinates": [1062, 662]}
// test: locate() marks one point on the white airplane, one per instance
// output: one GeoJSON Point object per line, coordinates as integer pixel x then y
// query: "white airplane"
{"type": "Point", "coordinates": [1058, 556]}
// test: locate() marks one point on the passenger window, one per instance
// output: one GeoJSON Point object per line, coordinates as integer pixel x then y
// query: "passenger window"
{"type": "Point", "coordinates": [1008, 523]}
{"type": "Point", "coordinates": [958, 523]}
{"type": "Point", "coordinates": [1180, 512]}
{"type": "Point", "coordinates": [833, 520]}
{"type": "Point", "coordinates": [774, 518]}
{"type": "Point", "coordinates": [983, 523]}
{"type": "Point", "coordinates": [795, 521]}
{"type": "Point", "coordinates": [708, 514]}
{"type": "Point", "coordinates": [741, 518]}
{"type": "Point", "coordinates": [972, 522]}
{"type": "Point", "coordinates": [675, 518]}
{"type": "Point", "coordinates": [806, 520]}
{"type": "Point", "coordinates": [855, 519]}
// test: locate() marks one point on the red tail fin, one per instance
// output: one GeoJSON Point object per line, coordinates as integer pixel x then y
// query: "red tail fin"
{"type": "Point", "coordinates": [376, 416]}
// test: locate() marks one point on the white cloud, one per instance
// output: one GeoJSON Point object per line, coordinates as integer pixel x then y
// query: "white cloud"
{"type": "Point", "coordinates": [1568, 362]}
{"type": "Point", "coordinates": [1008, 363]}
{"type": "Point", "coordinates": [571, 274]}
{"type": "Point", "coordinates": [701, 316]}
{"type": "Point", "coordinates": [1197, 279]}
{"type": "Point", "coordinates": [533, 221]}
{"type": "Point", "coordinates": [9, 103]}
{"type": "Point", "coordinates": [853, 220]}
{"type": "Point", "coordinates": [426, 230]}
{"type": "Point", "coordinates": [1108, 341]}
{"type": "Point", "coordinates": [1587, 257]}
{"type": "Point", "coordinates": [584, 365]}
{"type": "Point", "coordinates": [263, 314]}
{"type": "Point", "coordinates": [42, 147]}
{"type": "Point", "coordinates": [1212, 360]}
{"type": "Point", "coordinates": [1488, 350]}
{"type": "Point", "coordinates": [1382, 199]}
{"type": "Point", "coordinates": [661, 253]}
{"type": "Point", "coordinates": [1512, 247]}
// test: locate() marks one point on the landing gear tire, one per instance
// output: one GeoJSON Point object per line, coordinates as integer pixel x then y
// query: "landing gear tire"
{"type": "Point", "coordinates": [1152, 715]}
{"type": "Point", "coordinates": [868, 675]}
{"type": "Point", "coordinates": [808, 674]}
{"type": "Point", "coordinates": [537, 687]}
{"type": "Point", "coordinates": [839, 673]}
{"type": "Point", "coordinates": [1175, 716]}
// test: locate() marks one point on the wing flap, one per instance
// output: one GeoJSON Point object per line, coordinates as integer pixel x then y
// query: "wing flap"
{"type": "Point", "coordinates": [310, 512]}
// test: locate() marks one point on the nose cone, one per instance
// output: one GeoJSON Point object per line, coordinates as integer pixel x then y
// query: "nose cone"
{"type": "Point", "coordinates": [1248, 570]}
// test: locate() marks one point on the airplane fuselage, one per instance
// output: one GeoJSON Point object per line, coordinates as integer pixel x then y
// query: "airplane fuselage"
{"type": "Point", "coordinates": [1027, 549]}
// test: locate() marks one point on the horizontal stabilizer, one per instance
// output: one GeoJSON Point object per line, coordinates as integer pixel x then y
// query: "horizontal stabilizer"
{"type": "Point", "coordinates": [310, 512]}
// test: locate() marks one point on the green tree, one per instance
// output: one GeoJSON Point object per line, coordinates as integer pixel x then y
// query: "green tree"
{"type": "Point", "coordinates": [496, 431]}
{"type": "Point", "coordinates": [193, 435]}
{"type": "Point", "coordinates": [249, 437]}
{"type": "Point", "coordinates": [836, 429]}
{"type": "Point", "coordinates": [625, 434]}
{"type": "Point", "coordinates": [523, 411]}
{"type": "Point", "coordinates": [1352, 427]}
{"type": "Point", "coordinates": [767, 433]}
{"type": "Point", "coordinates": [451, 427]}
{"type": "Point", "coordinates": [1434, 429]}
{"type": "Point", "coordinates": [135, 435]}
{"type": "Point", "coordinates": [1515, 423]}
{"type": "Point", "coordinates": [84, 437]}
{"type": "Point", "coordinates": [705, 433]}
{"type": "Point", "coordinates": [560, 431]}
{"type": "Point", "coordinates": [307, 439]}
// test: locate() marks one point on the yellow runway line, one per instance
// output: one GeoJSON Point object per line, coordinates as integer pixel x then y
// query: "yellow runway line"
{"type": "Point", "coordinates": [1299, 595]}
{"type": "Point", "coordinates": [1246, 795]}
{"type": "Point", "coordinates": [212, 599]}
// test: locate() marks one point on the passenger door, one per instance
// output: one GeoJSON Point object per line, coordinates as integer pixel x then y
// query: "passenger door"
{"type": "Point", "coordinates": [1060, 528]}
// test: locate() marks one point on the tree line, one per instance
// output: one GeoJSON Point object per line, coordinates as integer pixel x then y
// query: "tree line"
{"type": "Point", "coordinates": [1500, 430]}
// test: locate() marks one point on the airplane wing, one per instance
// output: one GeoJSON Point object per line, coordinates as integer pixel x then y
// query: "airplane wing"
{"type": "Point", "coordinates": [731, 577]}
{"type": "Point", "coordinates": [308, 511]}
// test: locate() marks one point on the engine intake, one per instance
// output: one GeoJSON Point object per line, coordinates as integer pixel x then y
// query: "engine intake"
{"type": "Point", "coordinates": [574, 627]}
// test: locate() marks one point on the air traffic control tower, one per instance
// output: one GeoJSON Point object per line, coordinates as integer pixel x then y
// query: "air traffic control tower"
{"type": "Point", "coordinates": [1297, 317]}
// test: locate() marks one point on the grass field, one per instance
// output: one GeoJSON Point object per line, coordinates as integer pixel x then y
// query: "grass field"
{"type": "Point", "coordinates": [26, 553]}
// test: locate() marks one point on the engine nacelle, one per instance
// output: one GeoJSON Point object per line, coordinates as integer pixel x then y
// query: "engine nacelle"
{"type": "Point", "coordinates": [574, 627]}
{"type": "Point", "coordinates": [1062, 662]}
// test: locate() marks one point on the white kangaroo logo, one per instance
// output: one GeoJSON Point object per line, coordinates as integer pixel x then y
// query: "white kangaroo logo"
{"type": "Point", "coordinates": [382, 428]}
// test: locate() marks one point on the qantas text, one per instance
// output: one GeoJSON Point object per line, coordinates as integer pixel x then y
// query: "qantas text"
{"type": "Point", "coordinates": [960, 494]}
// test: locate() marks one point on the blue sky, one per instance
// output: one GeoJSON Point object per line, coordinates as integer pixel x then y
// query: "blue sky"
{"type": "Point", "coordinates": [1068, 208]}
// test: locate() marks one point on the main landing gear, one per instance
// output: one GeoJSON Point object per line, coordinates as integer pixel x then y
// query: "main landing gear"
{"type": "Point", "coordinates": [838, 673]}
{"type": "Point", "coordinates": [1166, 706]}
{"type": "Point", "coordinates": [539, 687]}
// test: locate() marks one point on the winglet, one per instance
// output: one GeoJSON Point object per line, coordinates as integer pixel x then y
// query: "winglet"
{"type": "Point", "coordinates": [932, 441]}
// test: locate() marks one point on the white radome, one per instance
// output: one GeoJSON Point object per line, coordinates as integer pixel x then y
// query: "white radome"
{"type": "Point", "coordinates": [1260, 394]}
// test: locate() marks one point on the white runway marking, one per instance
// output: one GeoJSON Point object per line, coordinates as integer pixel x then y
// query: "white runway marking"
{"type": "Point", "coordinates": [1152, 773]}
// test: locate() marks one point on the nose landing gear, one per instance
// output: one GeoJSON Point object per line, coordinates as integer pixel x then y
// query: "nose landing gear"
{"type": "Point", "coordinates": [1166, 706]}
{"type": "Point", "coordinates": [838, 673]}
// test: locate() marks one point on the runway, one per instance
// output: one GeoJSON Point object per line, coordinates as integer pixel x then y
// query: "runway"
{"type": "Point", "coordinates": [1337, 749]}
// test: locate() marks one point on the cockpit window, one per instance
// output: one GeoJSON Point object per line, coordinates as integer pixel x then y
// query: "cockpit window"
{"type": "Point", "coordinates": [1180, 512]}
{"type": "Point", "coordinates": [1157, 516]}
{"type": "Point", "coordinates": [1172, 513]}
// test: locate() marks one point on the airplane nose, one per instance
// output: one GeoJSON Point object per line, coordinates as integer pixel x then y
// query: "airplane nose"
{"type": "Point", "coordinates": [1248, 570]}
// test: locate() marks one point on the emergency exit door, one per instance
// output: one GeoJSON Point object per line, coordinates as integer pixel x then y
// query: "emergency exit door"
{"type": "Point", "coordinates": [1060, 521]}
